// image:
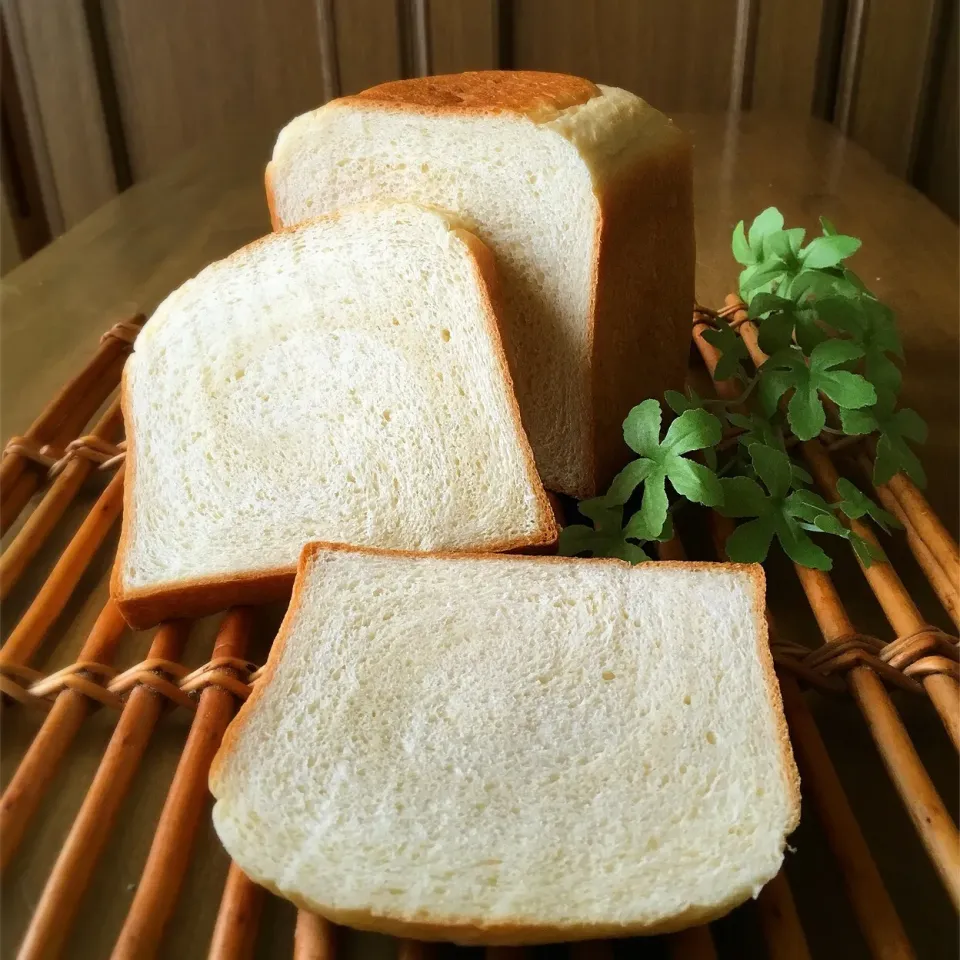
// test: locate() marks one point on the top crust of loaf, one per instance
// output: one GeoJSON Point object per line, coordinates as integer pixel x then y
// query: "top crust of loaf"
{"type": "Point", "coordinates": [527, 92]}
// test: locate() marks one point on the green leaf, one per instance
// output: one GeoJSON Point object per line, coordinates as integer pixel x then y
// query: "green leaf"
{"type": "Point", "coordinates": [848, 390]}
{"type": "Point", "coordinates": [896, 427]}
{"type": "Point", "coordinates": [677, 401]}
{"type": "Point", "coordinates": [833, 353]}
{"type": "Point", "coordinates": [829, 230]}
{"type": "Point", "coordinates": [857, 422]}
{"type": "Point", "coordinates": [754, 279]}
{"type": "Point", "coordinates": [628, 479]}
{"type": "Point", "coordinates": [641, 429]}
{"type": "Point", "coordinates": [800, 477]}
{"type": "Point", "coordinates": [810, 334]}
{"type": "Point", "coordinates": [767, 222]}
{"type": "Point", "coordinates": [695, 482]}
{"type": "Point", "coordinates": [732, 350]}
{"type": "Point", "coordinates": [773, 468]}
{"type": "Point", "coordinates": [764, 303]}
{"type": "Point", "coordinates": [795, 237]}
{"type": "Point", "coordinates": [866, 550]}
{"type": "Point", "coordinates": [805, 411]}
{"type": "Point", "coordinates": [681, 402]}
{"type": "Point", "coordinates": [776, 332]}
{"type": "Point", "coordinates": [882, 372]}
{"type": "Point", "coordinates": [741, 249]}
{"type": "Point", "coordinates": [756, 429]}
{"type": "Point", "coordinates": [606, 539]}
{"type": "Point", "coordinates": [653, 509]}
{"type": "Point", "coordinates": [856, 504]}
{"type": "Point", "coordinates": [692, 430]}
{"type": "Point", "coordinates": [798, 546]}
{"type": "Point", "coordinates": [741, 497]}
{"type": "Point", "coordinates": [828, 251]}
{"type": "Point", "coordinates": [605, 516]}
{"type": "Point", "coordinates": [750, 542]}
{"type": "Point", "coordinates": [808, 506]}
{"type": "Point", "coordinates": [810, 284]}
{"type": "Point", "coordinates": [894, 456]}
{"type": "Point", "coordinates": [576, 539]}
{"type": "Point", "coordinates": [773, 385]}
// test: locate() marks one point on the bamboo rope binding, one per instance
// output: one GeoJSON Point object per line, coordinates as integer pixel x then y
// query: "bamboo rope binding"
{"type": "Point", "coordinates": [63, 418]}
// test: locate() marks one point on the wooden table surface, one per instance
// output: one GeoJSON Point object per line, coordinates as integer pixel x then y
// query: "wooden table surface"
{"type": "Point", "coordinates": [144, 243]}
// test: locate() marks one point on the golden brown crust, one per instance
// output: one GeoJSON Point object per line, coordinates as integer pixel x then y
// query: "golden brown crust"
{"type": "Point", "coordinates": [202, 596]}
{"type": "Point", "coordinates": [764, 654]}
{"type": "Point", "coordinates": [467, 930]}
{"type": "Point", "coordinates": [525, 92]}
{"type": "Point", "coordinates": [275, 223]}
{"type": "Point", "coordinates": [642, 298]}
{"type": "Point", "coordinates": [486, 273]}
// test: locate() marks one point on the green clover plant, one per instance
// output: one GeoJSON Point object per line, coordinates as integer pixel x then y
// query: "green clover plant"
{"type": "Point", "coordinates": [832, 366]}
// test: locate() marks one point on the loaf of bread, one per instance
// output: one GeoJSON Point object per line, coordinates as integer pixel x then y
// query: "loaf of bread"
{"type": "Point", "coordinates": [583, 193]}
{"type": "Point", "coordinates": [343, 381]}
{"type": "Point", "coordinates": [503, 749]}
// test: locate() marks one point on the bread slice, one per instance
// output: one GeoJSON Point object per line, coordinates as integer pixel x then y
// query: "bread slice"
{"type": "Point", "coordinates": [342, 381]}
{"type": "Point", "coordinates": [583, 193]}
{"type": "Point", "coordinates": [503, 749]}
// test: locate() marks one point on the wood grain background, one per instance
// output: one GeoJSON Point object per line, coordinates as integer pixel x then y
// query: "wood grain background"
{"type": "Point", "coordinates": [104, 93]}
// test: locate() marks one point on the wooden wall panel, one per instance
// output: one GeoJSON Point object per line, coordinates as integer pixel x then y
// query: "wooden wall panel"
{"type": "Point", "coordinates": [65, 123]}
{"type": "Point", "coordinates": [938, 166]}
{"type": "Point", "coordinates": [9, 245]}
{"type": "Point", "coordinates": [676, 55]}
{"type": "Point", "coordinates": [892, 79]}
{"type": "Point", "coordinates": [187, 69]}
{"type": "Point", "coordinates": [370, 43]}
{"type": "Point", "coordinates": [464, 35]}
{"type": "Point", "coordinates": [787, 67]}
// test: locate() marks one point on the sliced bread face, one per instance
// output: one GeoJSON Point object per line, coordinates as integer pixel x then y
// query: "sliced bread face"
{"type": "Point", "coordinates": [342, 381]}
{"type": "Point", "coordinates": [497, 749]}
{"type": "Point", "coordinates": [584, 195]}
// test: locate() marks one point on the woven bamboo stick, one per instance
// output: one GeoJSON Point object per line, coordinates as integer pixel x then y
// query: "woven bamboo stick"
{"type": "Point", "coordinates": [235, 932]}
{"type": "Point", "coordinates": [54, 915]}
{"type": "Point", "coordinates": [780, 922]}
{"type": "Point", "coordinates": [169, 855]}
{"type": "Point", "coordinates": [928, 525]}
{"type": "Point", "coordinates": [947, 591]}
{"type": "Point", "coordinates": [876, 914]}
{"type": "Point", "coordinates": [896, 602]}
{"type": "Point", "coordinates": [919, 796]}
{"type": "Point", "coordinates": [693, 944]}
{"type": "Point", "coordinates": [28, 785]}
{"type": "Point", "coordinates": [49, 602]}
{"type": "Point", "coordinates": [314, 937]}
{"type": "Point", "coordinates": [31, 537]}
{"type": "Point", "coordinates": [77, 393]}
{"type": "Point", "coordinates": [415, 950]}
{"type": "Point", "coordinates": [23, 483]}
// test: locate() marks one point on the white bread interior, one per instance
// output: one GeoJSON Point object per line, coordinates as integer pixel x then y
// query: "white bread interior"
{"type": "Point", "coordinates": [343, 381]}
{"type": "Point", "coordinates": [498, 749]}
{"type": "Point", "coordinates": [587, 209]}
